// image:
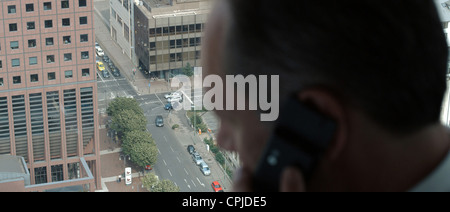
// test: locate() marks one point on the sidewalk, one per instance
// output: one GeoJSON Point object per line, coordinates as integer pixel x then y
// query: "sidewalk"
{"type": "Point", "coordinates": [139, 82]}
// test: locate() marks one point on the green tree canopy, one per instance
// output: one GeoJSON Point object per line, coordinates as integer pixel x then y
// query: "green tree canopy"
{"type": "Point", "coordinates": [133, 137]}
{"type": "Point", "coordinates": [153, 184]}
{"type": "Point", "coordinates": [143, 154]}
{"type": "Point", "coordinates": [123, 103]}
{"type": "Point", "coordinates": [127, 121]}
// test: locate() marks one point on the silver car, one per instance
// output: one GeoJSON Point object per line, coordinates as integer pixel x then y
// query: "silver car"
{"type": "Point", "coordinates": [197, 158]}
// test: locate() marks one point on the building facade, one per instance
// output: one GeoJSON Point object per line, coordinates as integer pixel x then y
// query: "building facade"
{"type": "Point", "coordinates": [48, 88]}
{"type": "Point", "coordinates": [168, 35]}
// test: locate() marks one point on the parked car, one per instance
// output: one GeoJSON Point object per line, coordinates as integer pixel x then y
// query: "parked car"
{"type": "Point", "coordinates": [159, 121]}
{"type": "Point", "coordinates": [99, 51]}
{"type": "Point", "coordinates": [115, 72]}
{"type": "Point", "coordinates": [216, 186]}
{"type": "Point", "coordinates": [204, 168]}
{"type": "Point", "coordinates": [197, 158]}
{"type": "Point", "coordinates": [106, 58]}
{"type": "Point", "coordinates": [172, 95]}
{"type": "Point", "coordinates": [100, 66]}
{"type": "Point", "coordinates": [105, 74]}
{"type": "Point", "coordinates": [191, 149]}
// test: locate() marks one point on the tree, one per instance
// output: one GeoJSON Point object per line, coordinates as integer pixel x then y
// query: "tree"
{"type": "Point", "coordinates": [152, 184]}
{"type": "Point", "coordinates": [122, 103]}
{"type": "Point", "coordinates": [143, 154]}
{"type": "Point", "coordinates": [127, 121]}
{"type": "Point", "coordinates": [188, 70]}
{"type": "Point", "coordinates": [166, 186]}
{"type": "Point", "coordinates": [133, 137]}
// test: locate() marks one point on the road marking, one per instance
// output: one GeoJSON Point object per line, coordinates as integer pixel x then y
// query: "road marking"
{"type": "Point", "coordinates": [200, 182]}
{"type": "Point", "coordinates": [187, 184]}
{"type": "Point", "coordinates": [164, 162]}
{"type": "Point", "coordinates": [158, 150]}
{"type": "Point", "coordinates": [186, 171]}
{"type": "Point", "coordinates": [159, 99]}
{"type": "Point", "coordinates": [171, 148]}
{"type": "Point", "coordinates": [178, 159]}
{"type": "Point", "coordinates": [166, 140]}
{"type": "Point", "coordinates": [171, 173]}
{"type": "Point", "coordinates": [193, 183]}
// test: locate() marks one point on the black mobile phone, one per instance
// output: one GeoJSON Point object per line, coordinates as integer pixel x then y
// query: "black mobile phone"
{"type": "Point", "coordinates": [300, 138]}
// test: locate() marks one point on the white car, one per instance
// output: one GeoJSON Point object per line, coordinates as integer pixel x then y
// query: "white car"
{"type": "Point", "coordinates": [197, 158]}
{"type": "Point", "coordinates": [174, 94]}
{"type": "Point", "coordinates": [175, 99]}
{"type": "Point", "coordinates": [99, 51]}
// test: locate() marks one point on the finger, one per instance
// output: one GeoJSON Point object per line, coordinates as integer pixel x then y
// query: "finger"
{"type": "Point", "coordinates": [242, 180]}
{"type": "Point", "coordinates": [292, 180]}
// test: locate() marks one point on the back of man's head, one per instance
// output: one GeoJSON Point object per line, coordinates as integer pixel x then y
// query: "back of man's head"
{"type": "Point", "coordinates": [386, 57]}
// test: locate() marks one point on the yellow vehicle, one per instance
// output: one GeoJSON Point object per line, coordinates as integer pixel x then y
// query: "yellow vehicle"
{"type": "Point", "coordinates": [100, 66]}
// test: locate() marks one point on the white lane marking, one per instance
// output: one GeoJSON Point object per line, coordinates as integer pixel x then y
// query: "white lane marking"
{"type": "Point", "coordinates": [164, 162]}
{"type": "Point", "coordinates": [186, 171]}
{"type": "Point", "coordinates": [169, 172]}
{"type": "Point", "coordinates": [200, 182]}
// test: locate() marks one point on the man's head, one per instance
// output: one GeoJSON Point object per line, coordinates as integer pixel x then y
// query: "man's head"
{"type": "Point", "coordinates": [386, 59]}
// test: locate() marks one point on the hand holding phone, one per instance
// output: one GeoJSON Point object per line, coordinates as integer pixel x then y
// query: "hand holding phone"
{"type": "Point", "coordinates": [300, 138]}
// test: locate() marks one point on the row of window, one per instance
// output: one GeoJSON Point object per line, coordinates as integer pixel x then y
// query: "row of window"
{"type": "Point", "coordinates": [49, 58]}
{"type": "Point", "coordinates": [46, 6]}
{"type": "Point", "coordinates": [50, 76]}
{"type": "Point", "coordinates": [178, 43]}
{"type": "Point", "coordinates": [48, 41]}
{"type": "Point", "coordinates": [173, 30]}
{"type": "Point", "coordinates": [47, 24]}
{"type": "Point", "coordinates": [175, 57]}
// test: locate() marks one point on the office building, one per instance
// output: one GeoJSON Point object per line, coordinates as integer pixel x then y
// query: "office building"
{"type": "Point", "coordinates": [167, 33]}
{"type": "Point", "coordinates": [48, 91]}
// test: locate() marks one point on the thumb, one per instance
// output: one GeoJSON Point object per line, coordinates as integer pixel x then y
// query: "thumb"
{"type": "Point", "coordinates": [292, 180]}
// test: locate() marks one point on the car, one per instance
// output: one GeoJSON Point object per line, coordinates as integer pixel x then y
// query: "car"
{"type": "Point", "coordinates": [172, 95]}
{"type": "Point", "coordinates": [105, 74]}
{"type": "Point", "coordinates": [205, 170]}
{"type": "Point", "coordinates": [175, 99]}
{"type": "Point", "coordinates": [168, 106]}
{"type": "Point", "coordinates": [106, 58]}
{"type": "Point", "coordinates": [99, 51]}
{"type": "Point", "coordinates": [191, 149]}
{"type": "Point", "coordinates": [97, 45]}
{"type": "Point", "coordinates": [100, 66]}
{"type": "Point", "coordinates": [197, 158]}
{"type": "Point", "coordinates": [115, 72]}
{"type": "Point", "coordinates": [159, 121]}
{"type": "Point", "coordinates": [216, 186]}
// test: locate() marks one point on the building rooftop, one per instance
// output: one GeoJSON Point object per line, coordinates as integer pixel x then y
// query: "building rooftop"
{"type": "Point", "coordinates": [12, 164]}
{"type": "Point", "coordinates": [164, 8]}
{"type": "Point", "coordinates": [443, 8]}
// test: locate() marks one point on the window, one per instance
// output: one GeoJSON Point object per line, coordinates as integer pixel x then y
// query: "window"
{"type": "Point", "coordinates": [13, 27]}
{"type": "Point", "coordinates": [14, 44]}
{"type": "Point", "coordinates": [15, 62]}
{"type": "Point", "coordinates": [17, 80]}
{"type": "Point", "coordinates": [84, 38]}
{"type": "Point", "coordinates": [33, 60]}
{"type": "Point", "coordinates": [30, 25]}
{"type": "Point", "coordinates": [29, 7]}
{"type": "Point", "coordinates": [1, 81]}
{"type": "Point", "coordinates": [68, 74]}
{"type": "Point", "coordinates": [34, 77]}
{"type": "Point", "coordinates": [66, 39]}
{"type": "Point", "coordinates": [66, 21]}
{"type": "Point", "coordinates": [49, 41]}
{"type": "Point", "coordinates": [68, 57]}
{"type": "Point", "coordinates": [83, 20]}
{"type": "Point", "coordinates": [48, 23]}
{"type": "Point", "coordinates": [85, 55]}
{"type": "Point", "coordinates": [50, 58]}
{"type": "Point", "coordinates": [1, 65]}
{"type": "Point", "coordinates": [82, 3]}
{"type": "Point", "coordinates": [31, 43]}
{"type": "Point", "coordinates": [11, 9]}
{"type": "Point", "coordinates": [85, 72]}
{"type": "Point", "coordinates": [51, 75]}
{"type": "Point", "coordinates": [64, 4]}
{"type": "Point", "coordinates": [47, 5]}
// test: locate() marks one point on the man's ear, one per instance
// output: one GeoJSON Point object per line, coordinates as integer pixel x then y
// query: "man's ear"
{"type": "Point", "coordinates": [328, 105]}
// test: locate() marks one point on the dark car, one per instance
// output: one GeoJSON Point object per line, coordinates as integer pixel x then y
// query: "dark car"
{"type": "Point", "coordinates": [105, 74]}
{"type": "Point", "coordinates": [115, 72]}
{"type": "Point", "coordinates": [159, 121]}
{"type": "Point", "coordinates": [168, 106]}
{"type": "Point", "coordinates": [191, 149]}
